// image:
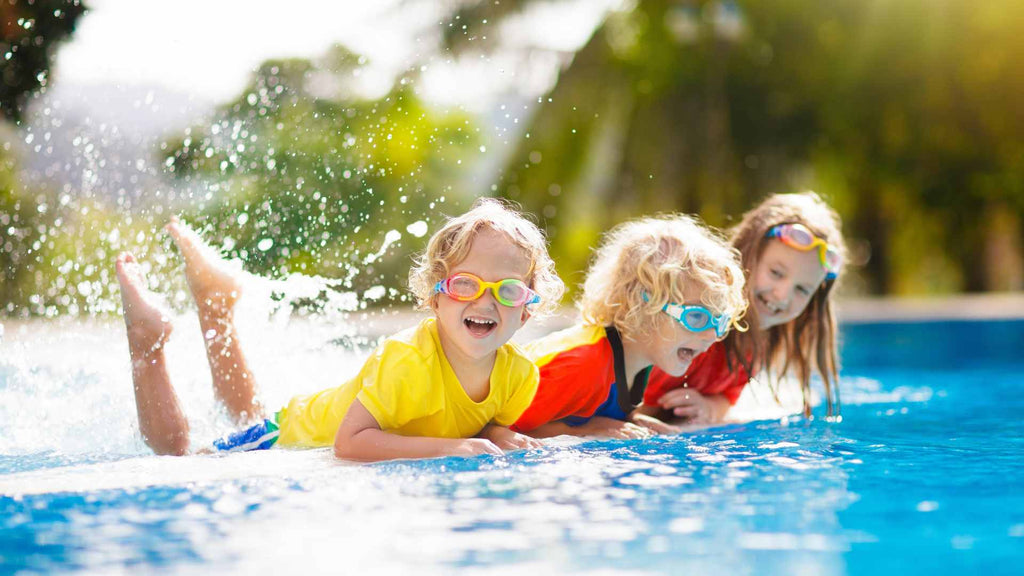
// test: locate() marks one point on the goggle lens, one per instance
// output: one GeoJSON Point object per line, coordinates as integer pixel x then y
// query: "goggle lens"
{"type": "Point", "coordinates": [512, 290]}
{"type": "Point", "coordinates": [801, 236]}
{"type": "Point", "coordinates": [464, 287]}
{"type": "Point", "coordinates": [697, 319]}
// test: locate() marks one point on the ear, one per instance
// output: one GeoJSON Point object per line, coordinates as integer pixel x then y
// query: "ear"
{"type": "Point", "coordinates": [526, 315]}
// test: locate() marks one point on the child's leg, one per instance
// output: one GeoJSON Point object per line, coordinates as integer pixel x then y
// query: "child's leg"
{"type": "Point", "coordinates": [161, 421]}
{"type": "Point", "coordinates": [215, 290]}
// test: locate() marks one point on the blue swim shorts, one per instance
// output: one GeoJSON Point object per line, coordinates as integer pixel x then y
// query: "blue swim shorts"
{"type": "Point", "coordinates": [261, 436]}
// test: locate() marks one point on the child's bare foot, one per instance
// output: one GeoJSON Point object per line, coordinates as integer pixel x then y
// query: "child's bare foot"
{"type": "Point", "coordinates": [212, 284]}
{"type": "Point", "coordinates": [148, 326]}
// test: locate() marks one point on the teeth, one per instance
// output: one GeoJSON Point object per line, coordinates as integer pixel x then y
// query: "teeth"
{"type": "Point", "coordinates": [771, 307]}
{"type": "Point", "coordinates": [481, 321]}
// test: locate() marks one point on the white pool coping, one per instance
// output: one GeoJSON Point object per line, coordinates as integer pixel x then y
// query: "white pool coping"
{"type": "Point", "coordinates": [999, 306]}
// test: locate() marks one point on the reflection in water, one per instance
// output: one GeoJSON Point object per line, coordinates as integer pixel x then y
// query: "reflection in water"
{"type": "Point", "coordinates": [664, 504]}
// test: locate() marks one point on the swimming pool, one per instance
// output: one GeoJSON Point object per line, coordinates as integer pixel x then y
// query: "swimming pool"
{"type": "Point", "coordinates": [924, 475]}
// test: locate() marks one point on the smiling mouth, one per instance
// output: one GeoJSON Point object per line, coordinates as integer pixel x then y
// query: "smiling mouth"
{"type": "Point", "coordinates": [480, 327]}
{"type": "Point", "coordinates": [772, 308]}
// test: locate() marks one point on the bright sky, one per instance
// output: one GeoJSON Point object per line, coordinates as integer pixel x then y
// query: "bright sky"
{"type": "Point", "coordinates": [207, 48]}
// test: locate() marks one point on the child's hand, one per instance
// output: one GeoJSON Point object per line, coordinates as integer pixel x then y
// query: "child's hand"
{"type": "Point", "coordinates": [653, 424]}
{"type": "Point", "coordinates": [507, 439]}
{"type": "Point", "coordinates": [612, 428]}
{"type": "Point", "coordinates": [475, 447]}
{"type": "Point", "coordinates": [693, 406]}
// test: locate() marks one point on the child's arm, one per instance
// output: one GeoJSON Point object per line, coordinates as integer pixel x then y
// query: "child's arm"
{"type": "Point", "coordinates": [506, 439]}
{"type": "Point", "coordinates": [360, 438]}
{"type": "Point", "coordinates": [596, 426]}
{"type": "Point", "coordinates": [650, 417]}
{"type": "Point", "coordinates": [694, 407]}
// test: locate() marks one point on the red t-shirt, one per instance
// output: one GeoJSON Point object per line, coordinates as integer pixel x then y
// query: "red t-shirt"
{"type": "Point", "coordinates": [708, 374]}
{"type": "Point", "coordinates": [577, 371]}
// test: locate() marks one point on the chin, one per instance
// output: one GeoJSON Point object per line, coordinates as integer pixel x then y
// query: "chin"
{"type": "Point", "coordinates": [478, 352]}
{"type": "Point", "coordinates": [676, 371]}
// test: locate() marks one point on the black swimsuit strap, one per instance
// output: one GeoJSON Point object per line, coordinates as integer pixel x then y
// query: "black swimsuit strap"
{"type": "Point", "coordinates": [636, 393]}
{"type": "Point", "coordinates": [629, 398]}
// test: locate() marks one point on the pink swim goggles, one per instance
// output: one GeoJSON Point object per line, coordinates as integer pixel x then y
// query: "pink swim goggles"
{"type": "Point", "coordinates": [465, 287]}
{"type": "Point", "coordinates": [799, 237]}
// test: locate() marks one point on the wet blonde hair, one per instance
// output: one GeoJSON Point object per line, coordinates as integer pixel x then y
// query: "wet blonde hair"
{"type": "Point", "coordinates": [807, 342]}
{"type": "Point", "coordinates": [451, 244]}
{"type": "Point", "coordinates": [659, 256]}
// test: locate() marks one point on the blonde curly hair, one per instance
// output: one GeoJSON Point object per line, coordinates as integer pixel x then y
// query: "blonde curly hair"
{"type": "Point", "coordinates": [451, 244]}
{"type": "Point", "coordinates": [659, 256]}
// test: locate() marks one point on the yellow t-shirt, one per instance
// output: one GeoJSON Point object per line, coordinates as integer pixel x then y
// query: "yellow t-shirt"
{"type": "Point", "coordinates": [410, 389]}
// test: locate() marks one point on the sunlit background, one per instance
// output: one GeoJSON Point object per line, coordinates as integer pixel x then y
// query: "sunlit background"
{"type": "Point", "coordinates": [327, 138]}
{"type": "Point", "coordinates": [318, 144]}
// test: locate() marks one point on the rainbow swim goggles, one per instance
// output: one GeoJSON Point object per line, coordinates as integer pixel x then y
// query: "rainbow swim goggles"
{"type": "Point", "coordinates": [799, 237]}
{"type": "Point", "coordinates": [696, 318]}
{"type": "Point", "coordinates": [465, 287]}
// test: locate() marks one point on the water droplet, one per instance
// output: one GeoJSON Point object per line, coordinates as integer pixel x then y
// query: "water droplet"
{"type": "Point", "coordinates": [417, 229]}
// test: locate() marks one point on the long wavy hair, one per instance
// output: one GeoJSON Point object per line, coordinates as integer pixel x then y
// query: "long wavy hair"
{"type": "Point", "coordinates": [809, 341]}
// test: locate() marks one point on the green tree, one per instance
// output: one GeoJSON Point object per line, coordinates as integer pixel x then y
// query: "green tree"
{"type": "Point", "coordinates": [29, 35]}
{"type": "Point", "coordinates": [30, 32]}
{"type": "Point", "coordinates": [905, 114]}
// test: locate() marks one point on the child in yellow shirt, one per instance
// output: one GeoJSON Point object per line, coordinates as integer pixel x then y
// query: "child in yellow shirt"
{"type": "Point", "coordinates": [450, 386]}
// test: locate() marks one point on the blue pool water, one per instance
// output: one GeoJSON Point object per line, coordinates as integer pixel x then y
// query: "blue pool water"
{"type": "Point", "coordinates": [923, 475]}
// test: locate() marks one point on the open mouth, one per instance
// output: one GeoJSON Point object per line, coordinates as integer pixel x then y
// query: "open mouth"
{"type": "Point", "coordinates": [480, 327]}
{"type": "Point", "coordinates": [686, 355]}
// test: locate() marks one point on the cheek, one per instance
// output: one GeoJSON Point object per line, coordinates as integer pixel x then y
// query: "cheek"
{"type": "Point", "coordinates": [802, 305]}
{"type": "Point", "coordinates": [666, 330]}
{"type": "Point", "coordinates": [762, 282]}
{"type": "Point", "coordinates": [510, 316]}
{"type": "Point", "coordinates": [447, 309]}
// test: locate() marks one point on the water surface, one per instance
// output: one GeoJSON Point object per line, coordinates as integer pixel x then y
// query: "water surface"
{"type": "Point", "coordinates": [923, 475]}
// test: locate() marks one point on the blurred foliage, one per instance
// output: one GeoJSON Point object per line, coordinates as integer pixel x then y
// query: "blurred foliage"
{"type": "Point", "coordinates": [42, 266]}
{"type": "Point", "coordinates": [299, 174]}
{"type": "Point", "coordinates": [56, 254]}
{"type": "Point", "coordinates": [30, 32]}
{"type": "Point", "coordinates": [906, 115]}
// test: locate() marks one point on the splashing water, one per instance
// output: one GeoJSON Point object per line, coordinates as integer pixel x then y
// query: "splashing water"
{"type": "Point", "coordinates": [912, 481]}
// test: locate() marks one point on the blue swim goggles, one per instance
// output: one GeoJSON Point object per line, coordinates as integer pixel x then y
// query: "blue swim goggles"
{"type": "Point", "coordinates": [696, 318]}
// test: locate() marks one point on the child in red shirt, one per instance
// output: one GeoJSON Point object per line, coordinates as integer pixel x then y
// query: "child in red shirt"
{"type": "Point", "coordinates": [659, 292]}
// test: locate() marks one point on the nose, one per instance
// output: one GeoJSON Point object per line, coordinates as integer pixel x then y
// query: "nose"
{"type": "Point", "coordinates": [782, 293]}
{"type": "Point", "coordinates": [487, 299]}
